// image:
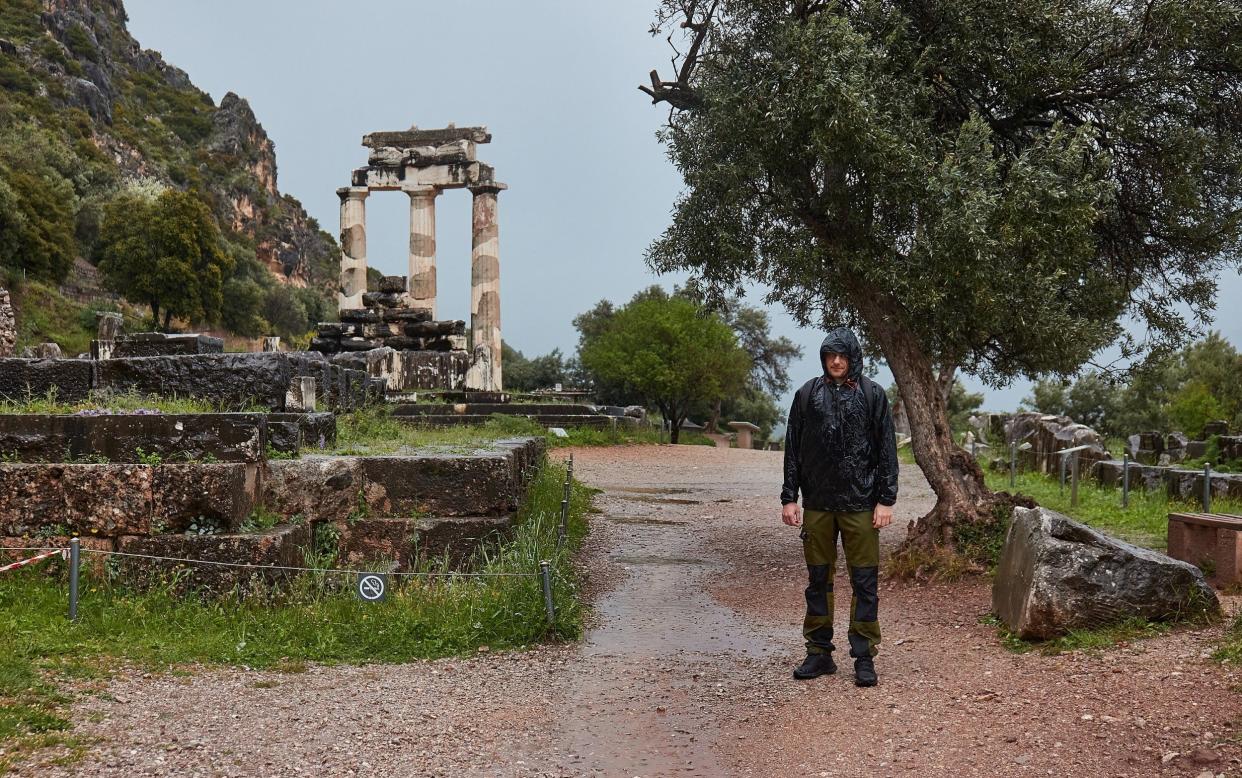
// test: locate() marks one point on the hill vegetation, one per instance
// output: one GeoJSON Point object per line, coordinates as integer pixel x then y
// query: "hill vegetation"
{"type": "Point", "coordinates": [91, 122]}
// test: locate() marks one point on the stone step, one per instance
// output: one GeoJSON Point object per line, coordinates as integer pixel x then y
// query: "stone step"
{"type": "Point", "coordinates": [280, 546]}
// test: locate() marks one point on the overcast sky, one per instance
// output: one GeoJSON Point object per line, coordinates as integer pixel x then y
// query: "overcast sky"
{"type": "Point", "coordinates": [556, 83]}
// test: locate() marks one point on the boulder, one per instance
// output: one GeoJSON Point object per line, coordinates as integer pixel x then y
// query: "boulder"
{"type": "Point", "coordinates": [1057, 575]}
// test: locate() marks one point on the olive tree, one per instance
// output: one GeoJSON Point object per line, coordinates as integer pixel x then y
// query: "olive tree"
{"type": "Point", "coordinates": [993, 187]}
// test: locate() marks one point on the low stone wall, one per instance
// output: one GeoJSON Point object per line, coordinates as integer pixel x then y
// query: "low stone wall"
{"type": "Point", "coordinates": [1180, 484]}
{"type": "Point", "coordinates": [226, 437]}
{"type": "Point", "coordinates": [267, 379]}
{"type": "Point", "coordinates": [392, 509]}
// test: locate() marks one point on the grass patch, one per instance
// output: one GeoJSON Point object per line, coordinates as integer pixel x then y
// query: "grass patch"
{"type": "Point", "coordinates": [375, 431]}
{"type": "Point", "coordinates": [317, 619]}
{"type": "Point", "coordinates": [1145, 522]}
{"type": "Point", "coordinates": [1080, 639]}
{"type": "Point", "coordinates": [1231, 646]}
{"type": "Point", "coordinates": [127, 402]}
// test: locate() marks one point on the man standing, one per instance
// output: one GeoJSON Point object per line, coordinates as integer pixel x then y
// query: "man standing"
{"type": "Point", "coordinates": [840, 451]}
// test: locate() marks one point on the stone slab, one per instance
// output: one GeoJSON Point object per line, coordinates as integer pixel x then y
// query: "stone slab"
{"type": "Point", "coordinates": [228, 380]}
{"type": "Point", "coordinates": [228, 437]}
{"type": "Point", "coordinates": [155, 344]}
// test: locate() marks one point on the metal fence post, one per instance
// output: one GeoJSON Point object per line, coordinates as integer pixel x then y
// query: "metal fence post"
{"type": "Point", "coordinates": [1063, 464]}
{"type": "Point", "coordinates": [1013, 465]}
{"type": "Point", "coordinates": [1207, 487]}
{"type": "Point", "coordinates": [75, 558]}
{"type": "Point", "coordinates": [1125, 480]}
{"type": "Point", "coordinates": [563, 528]}
{"type": "Point", "coordinates": [1074, 482]}
{"type": "Point", "coordinates": [546, 574]}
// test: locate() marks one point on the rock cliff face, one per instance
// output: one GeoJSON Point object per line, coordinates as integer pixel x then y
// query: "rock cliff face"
{"type": "Point", "coordinates": [74, 67]}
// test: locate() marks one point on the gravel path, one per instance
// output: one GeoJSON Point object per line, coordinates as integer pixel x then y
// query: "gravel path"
{"type": "Point", "coordinates": [697, 594]}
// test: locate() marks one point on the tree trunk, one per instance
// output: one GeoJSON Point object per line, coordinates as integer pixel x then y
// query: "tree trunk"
{"type": "Point", "coordinates": [675, 430]}
{"type": "Point", "coordinates": [955, 477]}
{"type": "Point", "coordinates": [715, 418]}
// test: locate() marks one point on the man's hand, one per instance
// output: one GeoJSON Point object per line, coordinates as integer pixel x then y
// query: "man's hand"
{"type": "Point", "coordinates": [791, 514]}
{"type": "Point", "coordinates": [882, 517]}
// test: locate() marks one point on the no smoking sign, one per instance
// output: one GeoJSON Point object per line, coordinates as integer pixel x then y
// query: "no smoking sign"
{"type": "Point", "coordinates": [372, 587]}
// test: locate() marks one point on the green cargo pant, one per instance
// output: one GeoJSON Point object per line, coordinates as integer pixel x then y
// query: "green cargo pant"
{"type": "Point", "coordinates": [861, 542]}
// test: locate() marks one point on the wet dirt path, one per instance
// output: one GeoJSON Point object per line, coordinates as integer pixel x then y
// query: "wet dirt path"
{"type": "Point", "coordinates": [696, 590]}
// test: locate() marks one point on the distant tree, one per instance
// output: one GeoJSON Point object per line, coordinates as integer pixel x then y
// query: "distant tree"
{"type": "Point", "coordinates": [670, 354]}
{"type": "Point", "coordinates": [284, 311]}
{"type": "Point", "coordinates": [988, 186]}
{"type": "Point", "coordinates": [37, 203]}
{"type": "Point", "coordinates": [165, 252]}
{"type": "Point", "coordinates": [527, 375]}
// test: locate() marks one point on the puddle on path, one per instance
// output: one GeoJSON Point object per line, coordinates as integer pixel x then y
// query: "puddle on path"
{"type": "Point", "coordinates": [637, 711]}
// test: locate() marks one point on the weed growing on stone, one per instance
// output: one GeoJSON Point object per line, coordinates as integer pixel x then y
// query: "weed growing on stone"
{"type": "Point", "coordinates": [316, 619]}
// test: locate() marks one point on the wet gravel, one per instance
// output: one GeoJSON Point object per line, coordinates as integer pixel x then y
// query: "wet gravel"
{"type": "Point", "coordinates": [697, 594]}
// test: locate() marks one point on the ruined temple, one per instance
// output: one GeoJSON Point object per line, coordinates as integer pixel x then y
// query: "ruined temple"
{"type": "Point", "coordinates": [424, 163]}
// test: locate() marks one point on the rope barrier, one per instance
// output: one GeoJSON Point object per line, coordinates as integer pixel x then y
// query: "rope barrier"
{"type": "Point", "coordinates": [304, 569]}
{"type": "Point", "coordinates": [32, 560]}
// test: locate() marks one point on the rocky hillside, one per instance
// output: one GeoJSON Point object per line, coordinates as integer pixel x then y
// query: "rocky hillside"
{"type": "Point", "coordinates": [86, 112]}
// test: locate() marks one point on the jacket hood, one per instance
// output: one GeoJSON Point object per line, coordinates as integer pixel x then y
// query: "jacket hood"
{"type": "Point", "coordinates": [843, 341]}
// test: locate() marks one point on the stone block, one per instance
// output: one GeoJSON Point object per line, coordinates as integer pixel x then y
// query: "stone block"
{"type": "Point", "coordinates": [1056, 575]}
{"type": "Point", "coordinates": [337, 329]}
{"type": "Point", "coordinates": [392, 284]}
{"type": "Point", "coordinates": [229, 380]}
{"type": "Point", "coordinates": [222, 494]}
{"type": "Point", "coordinates": [158, 344]}
{"type": "Point", "coordinates": [1215, 550]}
{"type": "Point", "coordinates": [432, 370]}
{"type": "Point", "coordinates": [281, 546]}
{"type": "Point", "coordinates": [301, 395]}
{"type": "Point", "coordinates": [406, 314]}
{"type": "Point", "coordinates": [105, 500]}
{"type": "Point", "coordinates": [359, 316]}
{"type": "Point", "coordinates": [433, 329]}
{"type": "Point", "coordinates": [71, 380]}
{"type": "Point", "coordinates": [317, 488]}
{"type": "Point", "coordinates": [439, 485]}
{"type": "Point", "coordinates": [455, 539]}
{"type": "Point", "coordinates": [1213, 428]}
{"type": "Point", "coordinates": [284, 437]}
{"type": "Point", "coordinates": [383, 299]}
{"type": "Point", "coordinates": [228, 437]}
{"type": "Point", "coordinates": [325, 345]}
{"type": "Point", "coordinates": [375, 543]}
{"type": "Point", "coordinates": [109, 326]}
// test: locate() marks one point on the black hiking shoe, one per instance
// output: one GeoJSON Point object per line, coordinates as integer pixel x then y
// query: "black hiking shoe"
{"type": "Point", "coordinates": [814, 666]}
{"type": "Point", "coordinates": [864, 672]}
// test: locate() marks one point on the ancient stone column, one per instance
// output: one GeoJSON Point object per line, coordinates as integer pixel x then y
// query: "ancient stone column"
{"type": "Point", "coordinates": [423, 247]}
{"type": "Point", "coordinates": [485, 276]}
{"type": "Point", "coordinates": [353, 246]}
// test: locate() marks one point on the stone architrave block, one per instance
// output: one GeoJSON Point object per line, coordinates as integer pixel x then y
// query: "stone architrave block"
{"type": "Point", "coordinates": [222, 494]}
{"type": "Point", "coordinates": [317, 488]}
{"type": "Point", "coordinates": [1056, 575]}
{"type": "Point", "coordinates": [280, 546]}
{"type": "Point", "coordinates": [71, 380]}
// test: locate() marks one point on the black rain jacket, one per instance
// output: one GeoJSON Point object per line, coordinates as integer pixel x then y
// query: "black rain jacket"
{"type": "Point", "coordinates": [840, 450]}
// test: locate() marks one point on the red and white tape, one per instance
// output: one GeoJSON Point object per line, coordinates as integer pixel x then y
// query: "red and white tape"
{"type": "Point", "coordinates": [33, 559]}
